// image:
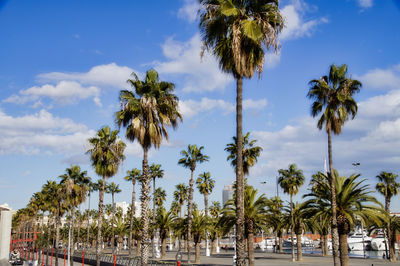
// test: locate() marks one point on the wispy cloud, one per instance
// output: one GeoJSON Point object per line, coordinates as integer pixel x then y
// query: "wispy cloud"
{"type": "Point", "coordinates": [200, 75]}
{"type": "Point", "coordinates": [189, 10]}
{"type": "Point", "coordinates": [383, 79]}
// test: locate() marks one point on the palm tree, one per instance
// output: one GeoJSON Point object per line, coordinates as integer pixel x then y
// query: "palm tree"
{"type": "Point", "coordinates": [132, 176]}
{"type": "Point", "coordinates": [113, 188]}
{"type": "Point", "coordinates": [276, 220]}
{"type": "Point", "coordinates": [205, 184]}
{"type": "Point", "coordinates": [159, 197]}
{"type": "Point", "coordinates": [91, 188]}
{"type": "Point", "coordinates": [191, 157]}
{"type": "Point", "coordinates": [255, 217]}
{"type": "Point", "coordinates": [236, 33]}
{"type": "Point", "coordinates": [145, 113]}
{"type": "Point", "coordinates": [74, 185]}
{"type": "Point", "coordinates": [164, 222]}
{"type": "Point", "coordinates": [199, 227]}
{"type": "Point", "coordinates": [155, 171]}
{"type": "Point", "coordinates": [121, 228]}
{"type": "Point", "coordinates": [106, 153]}
{"type": "Point", "coordinates": [290, 180]}
{"type": "Point", "coordinates": [249, 151]}
{"type": "Point", "coordinates": [335, 94]}
{"type": "Point", "coordinates": [180, 195]}
{"type": "Point", "coordinates": [388, 187]}
{"type": "Point", "coordinates": [215, 229]}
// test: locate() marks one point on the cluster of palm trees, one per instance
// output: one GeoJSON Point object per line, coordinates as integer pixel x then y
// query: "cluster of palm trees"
{"type": "Point", "coordinates": [236, 33]}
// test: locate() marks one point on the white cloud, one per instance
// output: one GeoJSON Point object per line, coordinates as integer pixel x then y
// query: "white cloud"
{"type": "Point", "coordinates": [189, 10]}
{"type": "Point", "coordinates": [297, 25]}
{"type": "Point", "coordinates": [365, 3]}
{"type": "Point", "coordinates": [190, 108]}
{"type": "Point", "coordinates": [199, 74]}
{"type": "Point", "coordinates": [41, 132]}
{"type": "Point", "coordinates": [385, 79]}
{"type": "Point", "coordinates": [272, 60]}
{"type": "Point", "coordinates": [372, 138]}
{"type": "Point", "coordinates": [65, 92]}
{"type": "Point", "coordinates": [110, 75]}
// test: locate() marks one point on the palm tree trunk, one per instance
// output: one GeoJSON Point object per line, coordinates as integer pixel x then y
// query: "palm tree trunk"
{"type": "Point", "coordinates": [250, 246]}
{"type": "Point", "coordinates": [138, 247]}
{"type": "Point", "coordinates": [57, 225]}
{"type": "Point", "coordinates": [197, 253]}
{"type": "Point", "coordinates": [88, 224]}
{"type": "Point", "coordinates": [100, 222]}
{"type": "Point", "coordinates": [392, 243]}
{"type": "Point", "coordinates": [292, 225]}
{"type": "Point", "coordinates": [299, 250]}
{"type": "Point", "coordinates": [71, 261]}
{"type": "Point", "coordinates": [154, 214]}
{"type": "Point", "coordinates": [325, 247]}
{"type": "Point", "coordinates": [145, 198]}
{"type": "Point", "coordinates": [112, 223]}
{"type": "Point", "coordinates": [335, 235]}
{"type": "Point", "coordinates": [344, 253]}
{"type": "Point", "coordinates": [48, 242]}
{"type": "Point", "coordinates": [240, 238]}
{"type": "Point", "coordinates": [280, 244]}
{"type": "Point", "coordinates": [206, 204]}
{"type": "Point", "coordinates": [132, 215]}
{"type": "Point", "coordinates": [190, 207]}
{"type": "Point", "coordinates": [214, 246]}
{"type": "Point", "coordinates": [163, 247]}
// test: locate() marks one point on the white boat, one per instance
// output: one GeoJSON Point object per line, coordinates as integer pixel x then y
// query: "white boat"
{"type": "Point", "coordinates": [358, 241]}
{"type": "Point", "coordinates": [378, 243]}
{"type": "Point", "coordinates": [305, 242]}
{"type": "Point", "coordinates": [267, 243]}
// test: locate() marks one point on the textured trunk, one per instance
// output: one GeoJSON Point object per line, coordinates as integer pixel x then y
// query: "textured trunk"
{"type": "Point", "coordinates": [335, 235]}
{"type": "Point", "coordinates": [392, 242]}
{"type": "Point", "coordinates": [130, 244]}
{"type": "Point", "coordinates": [100, 222]}
{"type": "Point", "coordinates": [88, 224]}
{"type": "Point", "coordinates": [57, 225]}
{"type": "Point", "coordinates": [163, 248]}
{"type": "Point", "coordinates": [197, 254]}
{"type": "Point", "coordinates": [292, 225]}
{"type": "Point", "coordinates": [280, 244]}
{"type": "Point", "coordinates": [71, 261]}
{"type": "Point", "coordinates": [214, 247]}
{"type": "Point", "coordinates": [138, 247]}
{"type": "Point", "coordinates": [325, 245]}
{"type": "Point", "coordinates": [344, 253]}
{"type": "Point", "coordinates": [299, 250]}
{"type": "Point", "coordinates": [206, 204]}
{"type": "Point", "coordinates": [154, 215]}
{"type": "Point", "coordinates": [250, 247]}
{"type": "Point", "coordinates": [240, 239]}
{"type": "Point", "coordinates": [48, 242]}
{"type": "Point", "coordinates": [190, 206]}
{"type": "Point", "coordinates": [112, 223]}
{"type": "Point", "coordinates": [145, 198]}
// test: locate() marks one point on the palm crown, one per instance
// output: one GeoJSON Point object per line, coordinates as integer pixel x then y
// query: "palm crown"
{"type": "Point", "coordinates": [334, 93]}
{"type": "Point", "coordinates": [237, 30]}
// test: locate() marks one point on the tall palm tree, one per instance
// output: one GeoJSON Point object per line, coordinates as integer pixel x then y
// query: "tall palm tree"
{"type": "Point", "coordinates": [291, 180]}
{"type": "Point", "coordinates": [333, 98]}
{"type": "Point", "coordinates": [255, 217]}
{"type": "Point", "coordinates": [276, 220]}
{"type": "Point", "coordinates": [180, 195]}
{"type": "Point", "coordinates": [106, 153]}
{"type": "Point", "coordinates": [205, 184]}
{"type": "Point", "coordinates": [164, 222]}
{"type": "Point", "coordinates": [91, 188]}
{"type": "Point", "coordinates": [113, 189]}
{"type": "Point", "coordinates": [74, 185]}
{"type": "Point", "coordinates": [190, 158]}
{"type": "Point", "coordinates": [132, 176]}
{"type": "Point", "coordinates": [388, 187]}
{"type": "Point", "coordinates": [249, 151]}
{"type": "Point", "coordinates": [145, 112]}
{"type": "Point", "coordinates": [155, 171]}
{"type": "Point", "coordinates": [236, 33]}
{"type": "Point", "coordinates": [159, 197]}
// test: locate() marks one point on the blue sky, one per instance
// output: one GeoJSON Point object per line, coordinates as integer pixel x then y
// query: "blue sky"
{"type": "Point", "coordinates": [64, 62]}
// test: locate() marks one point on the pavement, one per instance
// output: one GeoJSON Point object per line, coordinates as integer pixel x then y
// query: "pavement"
{"type": "Point", "coordinates": [263, 258]}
